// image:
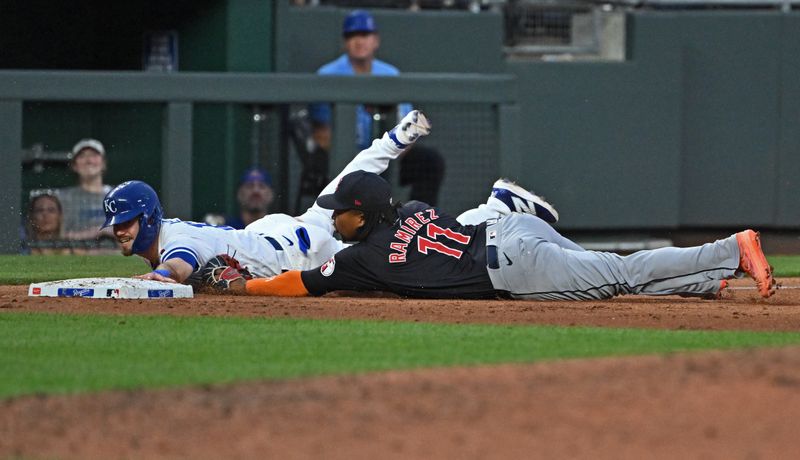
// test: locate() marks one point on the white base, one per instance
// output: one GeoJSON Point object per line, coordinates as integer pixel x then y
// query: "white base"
{"type": "Point", "coordinates": [110, 288]}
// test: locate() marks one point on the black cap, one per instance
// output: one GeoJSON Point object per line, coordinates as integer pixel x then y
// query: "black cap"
{"type": "Point", "coordinates": [360, 190]}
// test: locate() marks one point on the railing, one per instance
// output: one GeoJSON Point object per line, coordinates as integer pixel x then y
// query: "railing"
{"type": "Point", "coordinates": [783, 5]}
{"type": "Point", "coordinates": [180, 91]}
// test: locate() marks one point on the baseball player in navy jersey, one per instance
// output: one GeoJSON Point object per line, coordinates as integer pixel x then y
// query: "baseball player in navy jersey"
{"type": "Point", "coordinates": [416, 250]}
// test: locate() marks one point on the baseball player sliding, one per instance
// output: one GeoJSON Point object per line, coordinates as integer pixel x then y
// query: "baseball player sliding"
{"type": "Point", "coordinates": [177, 250]}
{"type": "Point", "coordinates": [416, 250]}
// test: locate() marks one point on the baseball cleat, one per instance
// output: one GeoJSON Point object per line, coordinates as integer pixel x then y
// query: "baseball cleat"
{"type": "Point", "coordinates": [413, 126]}
{"type": "Point", "coordinates": [723, 284]}
{"type": "Point", "coordinates": [520, 200]}
{"type": "Point", "coordinates": [753, 262]}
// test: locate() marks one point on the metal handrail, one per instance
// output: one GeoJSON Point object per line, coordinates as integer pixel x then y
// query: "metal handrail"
{"type": "Point", "coordinates": [255, 88]}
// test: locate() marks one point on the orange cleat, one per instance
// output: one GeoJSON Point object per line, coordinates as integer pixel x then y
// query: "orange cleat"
{"type": "Point", "coordinates": [723, 284]}
{"type": "Point", "coordinates": [753, 262]}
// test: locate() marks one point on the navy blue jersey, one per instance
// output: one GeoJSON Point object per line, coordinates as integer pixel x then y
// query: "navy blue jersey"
{"type": "Point", "coordinates": [423, 254]}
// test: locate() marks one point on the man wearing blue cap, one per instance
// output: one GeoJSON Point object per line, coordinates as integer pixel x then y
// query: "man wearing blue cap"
{"type": "Point", "coordinates": [361, 42]}
{"type": "Point", "coordinates": [421, 167]}
{"type": "Point", "coordinates": [255, 195]}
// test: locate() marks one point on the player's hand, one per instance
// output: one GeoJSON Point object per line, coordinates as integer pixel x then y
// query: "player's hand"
{"type": "Point", "coordinates": [222, 273]}
{"type": "Point", "coordinates": [155, 277]}
{"type": "Point", "coordinates": [413, 126]}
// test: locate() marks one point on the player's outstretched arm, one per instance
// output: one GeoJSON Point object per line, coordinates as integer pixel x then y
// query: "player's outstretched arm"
{"type": "Point", "coordinates": [287, 284]}
{"type": "Point", "coordinates": [170, 271]}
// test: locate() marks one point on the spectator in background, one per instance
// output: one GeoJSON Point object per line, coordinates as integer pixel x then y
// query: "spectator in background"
{"type": "Point", "coordinates": [254, 195]}
{"type": "Point", "coordinates": [44, 221]}
{"type": "Point", "coordinates": [83, 204]}
{"type": "Point", "coordinates": [422, 168]}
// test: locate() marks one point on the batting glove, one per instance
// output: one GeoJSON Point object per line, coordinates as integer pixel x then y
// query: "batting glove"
{"type": "Point", "coordinates": [411, 127]}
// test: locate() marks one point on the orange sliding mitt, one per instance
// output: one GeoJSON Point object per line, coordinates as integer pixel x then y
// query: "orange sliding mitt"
{"type": "Point", "coordinates": [287, 284]}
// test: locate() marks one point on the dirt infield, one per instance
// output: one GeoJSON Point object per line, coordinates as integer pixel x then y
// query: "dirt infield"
{"type": "Point", "coordinates": [741, 404]}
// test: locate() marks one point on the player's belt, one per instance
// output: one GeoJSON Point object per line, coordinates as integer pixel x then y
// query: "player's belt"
{"type": "Point", "coordinates": [492, 260]}
{"type": "Point", "coordinates": [274, 243]}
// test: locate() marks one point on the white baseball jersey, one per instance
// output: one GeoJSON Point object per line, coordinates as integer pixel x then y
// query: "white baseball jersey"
{"type": "Point", "coordinates": [303, 246]}
{"type": "Point", "coordinates": [267, 247]}
{"type": "Point", "coordinates": [276, 242]}
{"type": "Point", "coordinates": [196, 243]}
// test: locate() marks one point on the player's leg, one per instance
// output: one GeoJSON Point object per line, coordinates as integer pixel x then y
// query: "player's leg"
{"type": "Point", "coordinates": [375, 159]}
{"type": "Point", "coordinates": [543, 230]}
{"type": "Point", "coordinates": [507, 197]}
{"type": "Point", "coordinates": [556, 273]}
{"type": "Point", "coordinates": [541, 269]}
{"type": "Point", "coordinates": [749, 260]}
{"type": "Point", "coordinates": [710, 290]}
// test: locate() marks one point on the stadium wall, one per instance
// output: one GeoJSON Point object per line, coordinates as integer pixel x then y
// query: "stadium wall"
{"type": "Point", "coordinates": [697, 128]}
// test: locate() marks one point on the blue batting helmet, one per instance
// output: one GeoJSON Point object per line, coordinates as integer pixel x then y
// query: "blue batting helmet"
{"type": "Point", "coordinates": [358, 21]}
{"type": "Point", "coordinates": [130, 200]}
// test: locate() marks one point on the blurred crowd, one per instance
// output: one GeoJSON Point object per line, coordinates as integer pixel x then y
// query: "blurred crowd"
{"type": "Point", "coordinates": [67, 220]}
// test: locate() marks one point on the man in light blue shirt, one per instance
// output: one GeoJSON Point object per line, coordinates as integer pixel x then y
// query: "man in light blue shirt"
{"type": "Point", "coordinates": [361, 42]}
{"type": "Point", "coordinates": [422, 167]}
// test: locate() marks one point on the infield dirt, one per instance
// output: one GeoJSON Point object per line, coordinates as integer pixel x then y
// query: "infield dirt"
{"type": "Point", "coordinates": [740, 404]}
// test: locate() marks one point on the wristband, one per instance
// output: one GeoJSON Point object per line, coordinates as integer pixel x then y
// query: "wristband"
{"type": "Point", "coordinates": [162, 272]}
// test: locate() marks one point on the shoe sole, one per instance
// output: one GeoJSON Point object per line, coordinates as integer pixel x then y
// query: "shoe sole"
{"type": "Point", "coordinates": [753, 262]}
{"type": "Point", "coordinates": [528, 196]}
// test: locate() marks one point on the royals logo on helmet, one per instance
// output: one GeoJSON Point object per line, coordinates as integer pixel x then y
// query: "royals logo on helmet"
{"type": "Point", "coordinates": [110, 206]}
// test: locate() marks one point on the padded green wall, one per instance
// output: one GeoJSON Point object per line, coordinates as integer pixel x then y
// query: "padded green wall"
{"type": "Point", "coordinates": [731, 110]}
{"type": "Point", "coordinates": [602, 141]}
{"type": "Point", "coordinates": [788, 161]}
{"type": "Point", "coordinates": [698, 128]}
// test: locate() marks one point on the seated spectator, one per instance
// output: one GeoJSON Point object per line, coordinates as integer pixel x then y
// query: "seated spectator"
{"type": "Point", "coordinates": [83, 204]}
{"type": "Point", "coordinates": [44, 221]}
{"type": "Point", "coordinates": [254, 196]}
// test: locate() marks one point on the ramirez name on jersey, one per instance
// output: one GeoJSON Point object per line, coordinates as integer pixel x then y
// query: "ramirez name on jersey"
{"type": "Point", "coordinates": [424, 253]}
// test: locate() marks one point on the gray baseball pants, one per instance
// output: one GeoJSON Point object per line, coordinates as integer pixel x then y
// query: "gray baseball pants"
{"type": "Point", "coordinates": [529, 259]}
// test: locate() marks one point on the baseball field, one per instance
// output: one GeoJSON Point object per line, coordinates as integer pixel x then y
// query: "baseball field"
{"type": "Point", "coordinates": [356, 376]}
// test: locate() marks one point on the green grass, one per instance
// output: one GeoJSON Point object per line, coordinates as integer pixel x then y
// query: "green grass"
{"type": "Point", "coordinates": [785, 265]}
{"type": "Point", "coordinates": [53, 353]}
{"type": "Point", "coordinates": [29, 269]}
{"type": "Point", "coordinates": [33, 269]}
{"type": "Point", "coordinates": [50, 353]}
